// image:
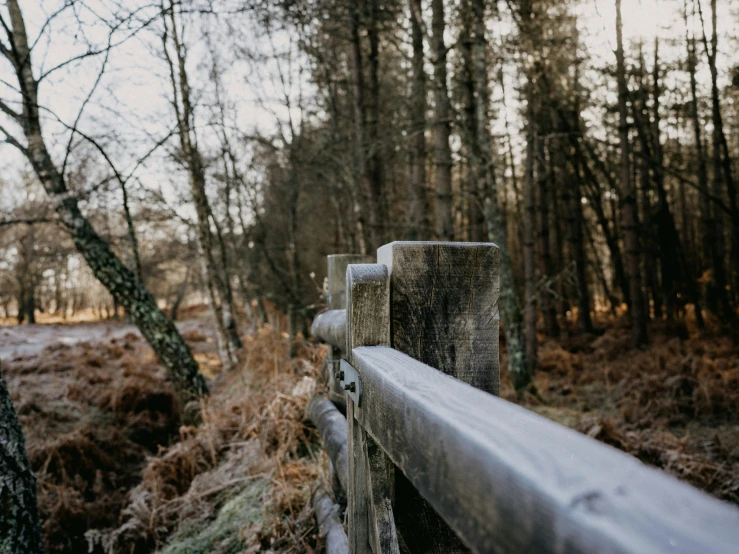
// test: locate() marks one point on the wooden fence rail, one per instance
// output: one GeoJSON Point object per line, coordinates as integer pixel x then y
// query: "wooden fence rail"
{"type": "Point", "coordinates": [434, 461]}
{"type": "Point", "coordinates": [330, 326]}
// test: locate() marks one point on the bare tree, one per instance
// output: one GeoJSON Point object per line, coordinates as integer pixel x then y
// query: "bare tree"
{"type": "Point", "coordinates": [216, 276]}
{"type": "Point", "coordinates": [122, 283]}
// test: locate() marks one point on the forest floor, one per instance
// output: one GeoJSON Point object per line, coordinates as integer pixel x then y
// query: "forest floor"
{"type": "Point", "coordinates": [118, 473]}
{"type": "Point", "coordinates": [673, 405]}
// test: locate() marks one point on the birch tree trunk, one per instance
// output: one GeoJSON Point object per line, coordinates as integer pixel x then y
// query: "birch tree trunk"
{"type": "Point", "coordinates": [120, 281]}
{"type": "Point", "coordinates": [216, 277]}
{"type": "Point", "coordinates": [510, 307]}
{"type": "Point", "coordinates": [20, 527]}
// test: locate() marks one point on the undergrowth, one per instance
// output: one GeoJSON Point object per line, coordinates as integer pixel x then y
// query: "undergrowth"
{"type": "Point", "coordinates": [91, 414]}
{"type": "Point", "coordinates": [673, 405]}
{"type": "Point", "coordinates": [118, 474]}
{"type": "Point", "coordinates": [241, 481]}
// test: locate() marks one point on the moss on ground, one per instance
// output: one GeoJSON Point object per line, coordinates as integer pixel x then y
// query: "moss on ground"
{"type": "Point", "coordinates": [223, 534]}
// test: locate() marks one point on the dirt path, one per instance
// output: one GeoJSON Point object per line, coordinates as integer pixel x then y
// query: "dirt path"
{"type": "Point", "coordinates": [30, 340]}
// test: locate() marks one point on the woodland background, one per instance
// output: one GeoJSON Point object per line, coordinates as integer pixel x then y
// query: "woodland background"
{"type": "Point", "coordinates": [160, 156]}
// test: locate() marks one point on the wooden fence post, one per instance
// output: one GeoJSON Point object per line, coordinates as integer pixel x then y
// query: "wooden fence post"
{"type": "Point", "coordinates": [337, 264]}
{"type": "Point", "coordinates": [371, 523]}
{"type": "Point", "coordinates": [336, 300]}
{"type": "Point", "coordinates": [444, 307]}
{"type": "Point", "coordinates": [444, 313]}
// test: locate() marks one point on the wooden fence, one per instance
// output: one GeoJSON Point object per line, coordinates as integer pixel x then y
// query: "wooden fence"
{"type": "Point", "coordinates": [431, 460]}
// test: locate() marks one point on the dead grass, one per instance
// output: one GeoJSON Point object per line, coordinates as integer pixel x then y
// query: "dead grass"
{"type": "Point", "coordinates": [119, 474]}
{"type": "Point", "coordinates": [674, 405]}
{"type": "Point", "coordinates": [91, 414]}
{"type": "Point", "coordinates": [253, 443]}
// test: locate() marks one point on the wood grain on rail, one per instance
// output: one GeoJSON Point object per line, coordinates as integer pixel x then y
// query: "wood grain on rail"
{"type": "Point", "coordinates": [508, 480]}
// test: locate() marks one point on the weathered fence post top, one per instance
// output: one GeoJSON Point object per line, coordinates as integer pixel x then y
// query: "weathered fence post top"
{"type": "Point", "coordinates": [444, 306]}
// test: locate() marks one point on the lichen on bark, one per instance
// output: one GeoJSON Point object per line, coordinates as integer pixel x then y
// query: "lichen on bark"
{"type": "Point", "coordinates": [20, 528]}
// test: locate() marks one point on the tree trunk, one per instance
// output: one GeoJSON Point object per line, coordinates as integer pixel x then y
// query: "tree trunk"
{"type": "Point", "coordinates": [595, 197]}
{"type": "Point", "coordinates": [181, 292]}
{"type": "Point", "coordinates": [628, 200]}
{"type": "Point", "coordinates": [20, 527]}
{"type": "Point", "coordinates": [649, 242]}
{"type": "Point", "coordinates": [671, 270]}
{"type": "Point", "coordinates": [519, 366]}
{"type": "Point", "coordinates": [375, 154]}
{"type": "Point", "coordinates": [59, 303]}
{"type": "Point", "coordinates": [131, 234]}
{"type": "Point", "coordinates": [217, 280]}
{"type": "Point", "coordinates": [652, 249]}
{"type": "Point", "coordinates": [417, 205]}
{"type": "Point", "coordinates": [706, 208]}
{"type": "Point", "coordinates": [675, 262]}
{"type": "Point", "coordinates": [722, 174]}
{"type": "Point", "coordinates": [229, 305]}
{"type": "Point", "coordinates": [475, 216]}
{"type": "Point", "coordinates": [158, 330]}
{"type": "Point", "coordinates": [561, 178]}
{"type": "Point", "coordinates": [571, 201]}
{"type": "Point", "coordinates": [529, 312]}
{"type": "Point", "coordinates": [31, 300]}
{"type": "Point", "coordinates": [511, 163]}
{"type": "Point", "coordinates": [548, 307]}
{"type": "Point", "coordinates": [442, 127]}
{"type": "Point", "coordinates": [577, 247]}
{"type": "Point", "coordinates": [359, 109]}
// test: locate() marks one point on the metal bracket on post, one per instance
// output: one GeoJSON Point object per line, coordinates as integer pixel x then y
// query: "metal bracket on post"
{"type": "Point", "coordinates": [350, 382]}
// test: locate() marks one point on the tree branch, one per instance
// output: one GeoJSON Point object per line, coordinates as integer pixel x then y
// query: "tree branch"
{"type": "Point", "coordinates": [9, 53]}
{"type": "Point", "coordinates": [5, 51]}
{"type": "Point", "coordinates": [83, 106]}
{"type": "Point", "coordinates": [10, 139]}
{"type": "Point", "coordinates": [26, 221]}
{"type": "Point", "coordinates": [108, 47]}
{"type": "Point", "coordinates": [12, 113]}
{"type": "Point", "coordinates": [48, 22]}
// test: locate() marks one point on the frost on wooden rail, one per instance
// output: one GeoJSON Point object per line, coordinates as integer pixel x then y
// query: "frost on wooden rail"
{"type": "Point", "coordinates": [508, 480]}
